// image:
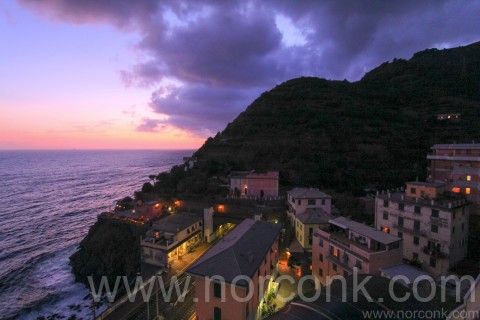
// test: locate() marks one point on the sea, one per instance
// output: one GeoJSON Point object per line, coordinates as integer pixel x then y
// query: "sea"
{"type": "Point", "coordinates": [48, 201]}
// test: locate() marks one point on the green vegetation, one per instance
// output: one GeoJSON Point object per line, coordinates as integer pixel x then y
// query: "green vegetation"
{"type": "Point", "coordinates": [110, 249]}
{"type": "Point", "coordinates": [345, 136]}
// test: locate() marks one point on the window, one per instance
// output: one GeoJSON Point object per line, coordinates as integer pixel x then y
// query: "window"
{"type": "Point", "coordinates": [400, 221]}
{"type": "Point", "coordinates": [335, 252]}
{"type": "Point", "coordinates": [320, 257]}
{"type": "Point", "coordinates": [299, 202]}
{"type": "Point", "coordinates": [413, 190]}
{"type": "Point", "coordinates": [311, 202]}
{"type": "Point", "coordinates": [433, 262]}
{"type": "Point", "coordinates": [401, 206]}
{"type": "Point", "coordinates": [467, 191]}
{"type": "Point", "coordinates": [434, 228]}
{"type": "Point", "coordinates": [217, 290]}
{"type": "Point", "coordinates": [217, 313]}
{"type": "Point", "coordinates": [358, 264]}
{"type": "Point", "coordinates": [416, 225]}
{"type": "Point", "coordinates": [417, 209]}
{"type": "Point", "coordinates": [469, 178]}
{"type": "Point", "coordinates": [400, 234]}
{"type": "Point", "coordinates": [456, 189]}
{"type": "Point", "coordinates": [323, 202]}
{"type": "Point", "coordinates": [385, 203]}
{"type": "Point", "coordinates": [386, 229]}
{"type": "Point", "coordinates": [416, 241]}
{"type": "Point", "coordinates": [385, 215]}
{"type": "Point", "coordinates": [320, 272]}
{"type": "Point", "coordinates": [334, 267]}
{"type": "Point", "coordinates": [310, 241]}
{"type": "Point", "coordinates": [434, 213]}
{"type": "Point", "coordinates": [320, 243]}
{"type": "Point", "coordinates": [345, 273]}
{"type": "Point", "coordinates": [415, 256]}
{"type": "Point", "coordinates": [453, 229]}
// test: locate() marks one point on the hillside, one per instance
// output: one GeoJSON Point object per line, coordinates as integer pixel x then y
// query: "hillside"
{"type": "Point", "coordinates": [345, 136]}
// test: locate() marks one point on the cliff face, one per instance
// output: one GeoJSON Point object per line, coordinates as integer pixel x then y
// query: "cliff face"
{"type": "Point", "coordinates": [110, 249]}
{"type": "Point", "coordinates": [344, 136]}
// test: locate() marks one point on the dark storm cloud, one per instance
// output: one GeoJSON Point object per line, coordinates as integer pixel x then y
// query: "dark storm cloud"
{"type": "Point", "coordinates": [225, 53]}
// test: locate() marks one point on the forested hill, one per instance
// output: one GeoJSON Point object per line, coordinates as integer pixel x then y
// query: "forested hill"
{"type": "Point", "coordinates": [345, 136]}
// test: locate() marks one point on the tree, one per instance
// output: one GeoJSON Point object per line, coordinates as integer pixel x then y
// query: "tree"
{"type": "Point", "coordinates": [147, 187]}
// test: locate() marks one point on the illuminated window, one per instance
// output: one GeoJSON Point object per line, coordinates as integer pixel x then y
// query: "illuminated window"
{"type": "Point", "coordinates": [386, 229]}
{"type": "Point", "coordinates": [469, 178]}
{"type": "Point", "coordinates": [456, 189]}
{"type": "Point", "coordinates": [467, 190]}
{"type": "Point", "coordinates": [335, 252]}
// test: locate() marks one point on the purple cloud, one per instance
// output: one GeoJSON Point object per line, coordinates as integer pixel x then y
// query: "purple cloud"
{"type": "Point", "coordinates": [222, 54]}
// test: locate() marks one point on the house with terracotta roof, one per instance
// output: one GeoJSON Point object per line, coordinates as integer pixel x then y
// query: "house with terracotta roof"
{"type": "Point", "coordinates": [232, 277]}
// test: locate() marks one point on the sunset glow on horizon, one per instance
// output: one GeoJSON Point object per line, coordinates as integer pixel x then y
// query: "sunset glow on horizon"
{"type": "Point", "coordinates": [168, 75]}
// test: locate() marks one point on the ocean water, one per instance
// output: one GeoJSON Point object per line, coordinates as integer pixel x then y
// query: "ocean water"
{"type": "Point", "coordinates": [49, 199]}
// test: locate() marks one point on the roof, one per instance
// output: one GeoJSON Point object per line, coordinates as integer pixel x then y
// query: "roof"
{"type": "Point", "coordinates": [176, 222]}
{"type": "Point", "coordinates": [239, 174]}
{"type": "Point", "coordinates": [405, 270]}
{"type": "Point", "coordinates": [314, 216]}
{"type": "Point", "coordinates": [457, 146]}
{"type": "Point", "coordinates": [241, 252]}
{"type": "Point", "coordinates": [307, 193]}
{"type": "Point", "coordinates": [254, 175]}
{"type": "Point", "coordinates": [443, 202]}
{"type": "Point", "coordinates": [364, 230]}
{"type": "Point", "coordinates": [332, 304]}
{"type": "Point", "coordinates": [427, 183]}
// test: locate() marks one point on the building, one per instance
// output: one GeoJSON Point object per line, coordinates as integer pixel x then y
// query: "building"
{"type": "Point", "coordinates": [301, 199]}
{"type": "Point", "coordinates": [170, 238]}
{"type": "Point", "coordinates": [459, 166]}
{"type": "Point", "coordinates": [251, 251]}
{"type": "Point", "coordinates": [141, 211]}
{"type": "Point", "coordinates": [338, 302]}
{"type": "Point", "coordinates": [432, 221]}
{"type": "Point", "coordinates": [307, 222]}
{"type": "Point", "coordinates": [470, 308]}
{"type": "Point", "coordinates": [346, 244]}
{"type": "Point", "coordinates": [251, 184]}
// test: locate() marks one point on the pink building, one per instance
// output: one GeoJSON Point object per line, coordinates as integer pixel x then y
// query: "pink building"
{"type": "Point", "coordinates": [249, 251]}
{"type": "Point", "coordinates": [253, 184]}
{"type": "Point", "coordinates": [346, 244]}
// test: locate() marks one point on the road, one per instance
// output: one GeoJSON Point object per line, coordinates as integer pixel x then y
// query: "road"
{"type": "Point", "coordinates": [137, 310]}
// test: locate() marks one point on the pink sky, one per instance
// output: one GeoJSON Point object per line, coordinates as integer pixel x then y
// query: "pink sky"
{"type": "Point", "coordinates": [61, 88]}
{"type": "Point", "coordinates": [168, 74]}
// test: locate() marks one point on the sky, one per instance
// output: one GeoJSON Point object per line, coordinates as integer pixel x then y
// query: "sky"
{"type": "Point", "coordinates": [148, 74]}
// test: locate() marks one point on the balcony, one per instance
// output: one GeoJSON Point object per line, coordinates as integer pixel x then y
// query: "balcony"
{"type": "Point", "coordinates": [415, 232]}
{"type": "Point", "coordinates": [434, 253]}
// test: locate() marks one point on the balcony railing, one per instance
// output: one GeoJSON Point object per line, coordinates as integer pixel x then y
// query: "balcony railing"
{"type": "Point", "coordinates": [434, 253]}
{"type": "Point", "coordinates": [417, 232]}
